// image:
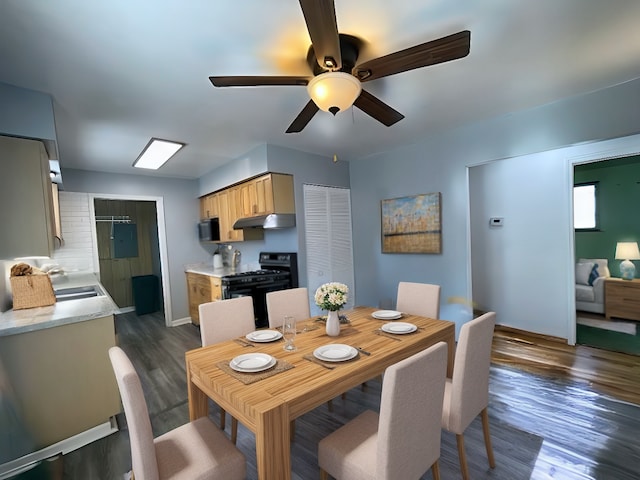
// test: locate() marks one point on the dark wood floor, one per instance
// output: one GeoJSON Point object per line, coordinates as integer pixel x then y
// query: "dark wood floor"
{"type": "Point", "coordinates": [556, 412]}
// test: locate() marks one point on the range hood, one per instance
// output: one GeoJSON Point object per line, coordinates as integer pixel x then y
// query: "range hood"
{"type": "Point", "coordinates": [272, 221]}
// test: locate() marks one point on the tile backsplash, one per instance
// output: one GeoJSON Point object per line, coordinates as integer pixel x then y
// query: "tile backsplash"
{"type": "Point", "coordinates": [76, 252]}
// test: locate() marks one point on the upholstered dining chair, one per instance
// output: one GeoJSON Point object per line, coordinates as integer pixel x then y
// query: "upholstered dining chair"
{"type": "Point", "coordinates": [403, 440]}
{"type": "Point", "coordinates": [419, 299]}
{"type": "Point", "coordinates": [196, 449]}
{"type": "Point", "coordinates": [293, 302]}
{"type": "Point", "coordinates": [466, 394]}
{"type": "Point", "coordinates": [224, 320]}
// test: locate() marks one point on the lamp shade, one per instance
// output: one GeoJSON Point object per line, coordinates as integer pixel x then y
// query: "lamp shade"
{"type": "Point", "coordinates": [334, 91]}
{"type": "Point", "coordinates": [627, 251]}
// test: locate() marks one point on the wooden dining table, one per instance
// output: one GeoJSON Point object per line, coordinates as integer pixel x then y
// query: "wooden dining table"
{"type": "Point", "coordinates": [267, 406]}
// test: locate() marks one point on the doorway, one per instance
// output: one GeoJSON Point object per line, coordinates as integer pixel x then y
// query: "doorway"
{"type": "Point", "coordinates": [617, 183]}
{"type": "Point", "coordinates": [131, 255]}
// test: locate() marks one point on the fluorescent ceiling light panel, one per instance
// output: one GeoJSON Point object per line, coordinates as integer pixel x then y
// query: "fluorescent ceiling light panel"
{"type": "Point", "coordinates": [156, 153]}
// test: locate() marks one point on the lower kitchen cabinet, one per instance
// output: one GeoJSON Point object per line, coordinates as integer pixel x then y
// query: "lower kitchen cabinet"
{"type": "Point", "coordinates": [202, 289]}
{"type": "Point", "coordinates": [61, 378]}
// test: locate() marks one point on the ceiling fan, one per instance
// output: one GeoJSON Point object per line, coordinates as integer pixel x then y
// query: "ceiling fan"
{"type": "Point", "coordinates": [332, 58]}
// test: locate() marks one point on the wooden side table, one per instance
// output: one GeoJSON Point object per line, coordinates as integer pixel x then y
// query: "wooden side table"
{"type": "Point", "coordinates": [622, 298]}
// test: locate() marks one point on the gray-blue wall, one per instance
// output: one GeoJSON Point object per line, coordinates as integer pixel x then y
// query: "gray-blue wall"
{"type": "Point", "coordinates": [305, 168]}
{"type": "Point", "coordinates": [439, 164]}
{"type": "Point", "coordinates": [181, 210]}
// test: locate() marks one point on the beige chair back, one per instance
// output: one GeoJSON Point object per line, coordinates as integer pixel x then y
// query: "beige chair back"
{"type": "Point", "coordinates": [419, 299]}
{"type": "Point", "coordinates": [469, 389]}
{"type": "Point", "coordinates": [226, 319]}
{"type": "Point", "coordinates": [143, 452]}
{"type": "Point", "coordinates": [293, 302]}
{"type": "Point", "coordinates": [410, 414]}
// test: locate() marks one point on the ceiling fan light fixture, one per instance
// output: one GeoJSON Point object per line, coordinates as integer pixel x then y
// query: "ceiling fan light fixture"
{"type": "Point", "coordinates": [334, 91]}
{"type": "Point", "coordinates": [156, 153]}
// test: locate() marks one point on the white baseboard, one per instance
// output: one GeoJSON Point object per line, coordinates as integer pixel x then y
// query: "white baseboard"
{"type": "Point", "coordinates": [126, 309]}
{"type": "Point", "coordinates": [180, 321]}
{"type": "Point", "coordinates": [63, 447]}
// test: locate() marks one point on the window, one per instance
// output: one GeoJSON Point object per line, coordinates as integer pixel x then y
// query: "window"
{"type": "Point", "coordinates": [585, 211]}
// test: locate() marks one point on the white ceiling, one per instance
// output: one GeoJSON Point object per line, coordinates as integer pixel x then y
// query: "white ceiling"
{"type": "Point", "coordinates": [123, 71]}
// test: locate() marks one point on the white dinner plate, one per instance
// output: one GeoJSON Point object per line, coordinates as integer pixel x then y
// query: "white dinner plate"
{"type": "Point", "coordinates": [398, 327]}
{"type": "Point", "coordinates": [264, 336]}
{"type": "Point", "coordinates": [335, 352]}
{"type": "Point", "coordinates": [252, 362]}
{"type": "Point", "coordinates": [386, 314]}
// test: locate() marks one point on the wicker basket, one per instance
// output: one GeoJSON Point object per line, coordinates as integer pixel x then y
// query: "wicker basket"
{"type": "Point", "coordinates": [31, 291]}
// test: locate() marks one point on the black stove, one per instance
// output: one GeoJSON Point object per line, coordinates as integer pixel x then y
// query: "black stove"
{"type": "Point", "coordinates": [278, 271]}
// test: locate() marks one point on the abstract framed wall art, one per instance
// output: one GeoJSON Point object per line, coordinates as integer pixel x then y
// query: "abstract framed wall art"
{"type": "Point", "coordinates": [412, 224]}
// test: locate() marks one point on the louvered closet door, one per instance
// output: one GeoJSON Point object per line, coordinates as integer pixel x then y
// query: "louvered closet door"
{"type": "Point", "coordinates": [328, 239]}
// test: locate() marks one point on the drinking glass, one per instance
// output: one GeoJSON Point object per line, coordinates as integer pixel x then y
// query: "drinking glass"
{"type": "Point", "coordinates": [289, 333]}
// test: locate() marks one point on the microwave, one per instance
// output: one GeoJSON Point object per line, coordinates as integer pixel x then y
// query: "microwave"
{"type": "Point", "coordinates": [209, 230]}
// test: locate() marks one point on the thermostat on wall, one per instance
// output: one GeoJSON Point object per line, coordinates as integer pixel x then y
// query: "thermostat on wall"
{"type": "Point", "coordinates": [496, 221]}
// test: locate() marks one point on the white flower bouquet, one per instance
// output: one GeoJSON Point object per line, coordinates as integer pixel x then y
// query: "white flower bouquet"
{"type": "Point", "coordinates": [331, 296]}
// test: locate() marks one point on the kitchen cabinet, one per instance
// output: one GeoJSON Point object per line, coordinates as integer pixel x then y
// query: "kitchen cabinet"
{"type": "Point", "coordinates": [229, 210]}
{"type": "Point", "coordinates": [61, 377]}
{"type": "Point", "coordinates": [263, 195]}
{"type": "Point", "coordinates": [235, 212]}
{"type": "Point", "coordinates": [209, 206]}
{"type": "Point", "coordinates": [247, 199]}
{"type": "Point", "coordinates": [56, 222]}
{"type": "Point", "coordinates": [202, 289]}
{"type": "Point", "coordinates": [226, 214]}
{"type": "Point", "coordinates": [270, 193]}
{"type": "Point", "coordinates": [26, 193]}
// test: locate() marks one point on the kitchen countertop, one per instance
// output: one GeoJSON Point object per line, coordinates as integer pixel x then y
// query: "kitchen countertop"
{"type": "Point", "coordinates": [207, 269]}
{"type": "Point", "coordinates": [14, 322]}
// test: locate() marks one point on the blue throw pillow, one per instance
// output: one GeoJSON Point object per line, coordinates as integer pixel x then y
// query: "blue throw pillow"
{"type": "Point", "coordinates": [594, 274]}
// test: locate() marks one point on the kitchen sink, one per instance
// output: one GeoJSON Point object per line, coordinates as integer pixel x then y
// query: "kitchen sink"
{"type": "Point", "coordinates": [75, 293]}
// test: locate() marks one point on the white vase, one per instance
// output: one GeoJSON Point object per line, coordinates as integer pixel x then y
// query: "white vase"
{"type": "Point", "coordinates": [333, 323]}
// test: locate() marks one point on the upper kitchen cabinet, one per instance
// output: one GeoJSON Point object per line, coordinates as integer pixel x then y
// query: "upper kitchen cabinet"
{"type": "Point", "coordinates": [209, 206]}
{"type": "Point", "coordinates": [27, 215]}
{"type": "Point", "coordinates": [270, 193]}
{"type": "Point", "coordinates": [263, 195]}
{"type": "Point", "coordinates": [229, 210]}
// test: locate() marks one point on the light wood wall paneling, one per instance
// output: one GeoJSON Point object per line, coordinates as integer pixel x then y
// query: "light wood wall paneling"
{"type": "Point", "coordinates": [116, 273]}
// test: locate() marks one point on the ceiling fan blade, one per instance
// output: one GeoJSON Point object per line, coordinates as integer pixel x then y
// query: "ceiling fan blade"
{"type": "Point", "coordinates": [320, 16]}
{"type": "Point", "coordinates": [441, 50]}
{"type": "Point", "coordinates": [258, 81]}
{"type": "Point", "coordinates": [376, 108]}
{"type": "Point", "coordinates": [303, 117]}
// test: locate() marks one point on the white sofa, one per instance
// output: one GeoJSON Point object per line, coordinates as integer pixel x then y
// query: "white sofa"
{"type": "Point", "coordinates": [590, 297]}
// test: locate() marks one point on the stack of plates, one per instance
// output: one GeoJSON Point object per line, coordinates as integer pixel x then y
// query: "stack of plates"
{"type": "Point", "coordinates": [252, 362]}
{"type": "Point", "coordinates": [336, 352]}
{"type": "Point", "coordinates": [264, 336]}
{"type": "Point", "coordinates": [398, 327]}
{"type": "Point", "coordinates": [386, 315]}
